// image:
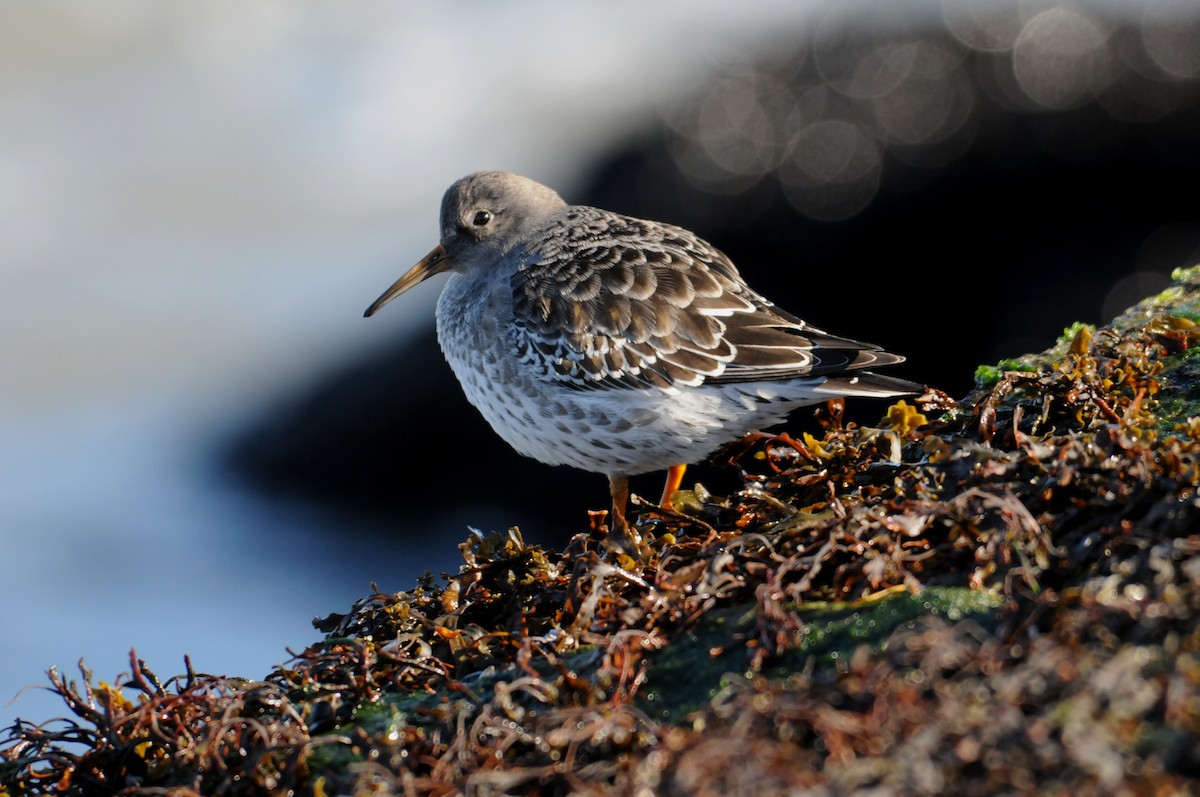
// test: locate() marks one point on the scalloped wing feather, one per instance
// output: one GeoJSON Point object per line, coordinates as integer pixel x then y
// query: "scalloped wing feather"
{"type": "Point", "coordinates": [607, 301]}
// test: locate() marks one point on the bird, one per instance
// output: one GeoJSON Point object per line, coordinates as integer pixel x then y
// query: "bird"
{"type": "Point", "coordinates": [618, 345]}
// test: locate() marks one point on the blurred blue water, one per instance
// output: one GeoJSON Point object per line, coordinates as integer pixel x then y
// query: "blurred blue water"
{"type": "Point", "coordinates": [196, 203]}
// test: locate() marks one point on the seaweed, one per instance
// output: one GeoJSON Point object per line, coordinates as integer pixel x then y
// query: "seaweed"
{"type": "Point", "coordinates": [997, 594]}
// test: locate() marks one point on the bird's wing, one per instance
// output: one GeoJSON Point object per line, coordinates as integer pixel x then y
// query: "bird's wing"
{"type": "Point", "coordinates": [605, 300]}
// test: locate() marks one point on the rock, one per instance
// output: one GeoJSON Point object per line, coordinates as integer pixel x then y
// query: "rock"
{"type": "Point", "coordinates": [973, 596]}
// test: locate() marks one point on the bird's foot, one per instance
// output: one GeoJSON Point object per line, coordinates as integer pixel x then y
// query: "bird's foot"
{"type": "Point", "coordinates": [626, 543]}
{"type": "Point", "coordinates": [619, 540]}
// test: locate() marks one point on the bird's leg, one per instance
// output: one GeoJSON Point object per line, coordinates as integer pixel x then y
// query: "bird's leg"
{"type": "Point", "coordinates": [674, 479]}
{"type": "Point", "coordinates": [620, 537]}
{"type": "Point", "coordinates": [618, 487]}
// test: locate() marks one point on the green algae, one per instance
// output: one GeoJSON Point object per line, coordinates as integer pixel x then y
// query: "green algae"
{"type": "Point", "coordinates": [988, 375]}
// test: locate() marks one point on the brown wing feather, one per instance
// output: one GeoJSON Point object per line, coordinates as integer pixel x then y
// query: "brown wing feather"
{"type": "Point", "coordinates": [610, 301]}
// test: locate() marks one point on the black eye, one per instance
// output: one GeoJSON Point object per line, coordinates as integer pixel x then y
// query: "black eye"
{"type": "Point", "coordinates": [481, 218]}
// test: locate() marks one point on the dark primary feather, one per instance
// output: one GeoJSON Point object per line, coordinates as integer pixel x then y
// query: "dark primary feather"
{"type": "Point", "coordinates": [605, 300]}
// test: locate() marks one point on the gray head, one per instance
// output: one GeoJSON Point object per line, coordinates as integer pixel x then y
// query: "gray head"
{"type": "Point", "coordinates": [490, 211]}
{"type": "Point", "coordinates": [483, 215]}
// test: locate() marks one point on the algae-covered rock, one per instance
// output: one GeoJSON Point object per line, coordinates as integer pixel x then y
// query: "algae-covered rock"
{"type": "Point", "coordinates": [993, 595]}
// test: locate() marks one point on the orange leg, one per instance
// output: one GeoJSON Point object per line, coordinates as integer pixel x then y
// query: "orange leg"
{"type": "Point", "coordinates": [674, 479]}
{"type": "Point", "coordinates": [620, 537]}
{"type": "Point", "coordinates": [618, 487]}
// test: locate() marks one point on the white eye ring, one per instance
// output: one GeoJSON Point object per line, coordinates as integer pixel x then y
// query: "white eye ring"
{"type": "Point", "coordinates": [481, 218]}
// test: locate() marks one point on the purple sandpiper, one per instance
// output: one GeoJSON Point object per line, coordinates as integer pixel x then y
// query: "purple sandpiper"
{"type": "Point", "coordinates": [618, 345]}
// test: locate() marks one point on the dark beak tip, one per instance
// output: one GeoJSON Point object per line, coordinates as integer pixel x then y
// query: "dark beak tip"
{"type": "Point", "coordinates": [427, 267]}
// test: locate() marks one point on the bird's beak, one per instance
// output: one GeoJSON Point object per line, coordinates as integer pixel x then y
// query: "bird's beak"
{"type": "Point", "coordinates": [433, 263]}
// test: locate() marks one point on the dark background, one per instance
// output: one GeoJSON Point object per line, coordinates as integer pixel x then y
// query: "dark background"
{"type": "Point", "coordinates": [957, 190]}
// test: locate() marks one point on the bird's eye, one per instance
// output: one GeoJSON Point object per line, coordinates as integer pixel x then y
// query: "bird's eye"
{"type": "Point", "coordinates": [481, 218]}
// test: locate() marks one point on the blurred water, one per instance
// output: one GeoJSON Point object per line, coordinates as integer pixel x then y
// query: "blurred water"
{"type": "Point", "coordinates": [197, 200]}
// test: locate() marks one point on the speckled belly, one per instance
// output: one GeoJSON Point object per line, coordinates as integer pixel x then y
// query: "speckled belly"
{"type": "Point", "coordinates": [603, 430]}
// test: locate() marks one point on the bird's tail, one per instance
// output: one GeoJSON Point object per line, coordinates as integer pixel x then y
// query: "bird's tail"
{"type": "Point", "coordinates": [866, 383]}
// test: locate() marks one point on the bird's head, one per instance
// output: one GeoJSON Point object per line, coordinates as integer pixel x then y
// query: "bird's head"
{"type": "Point", "coordinates": [483, 216]}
